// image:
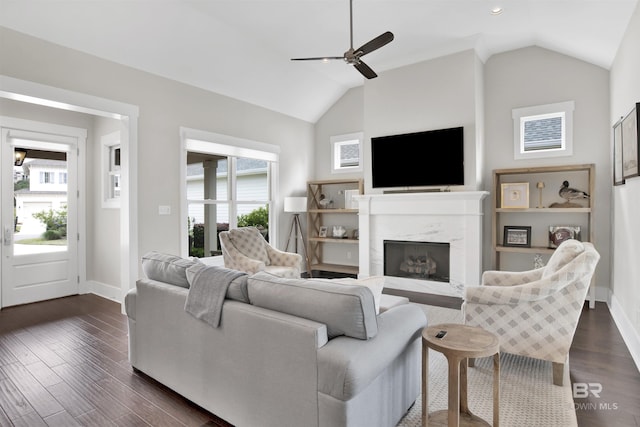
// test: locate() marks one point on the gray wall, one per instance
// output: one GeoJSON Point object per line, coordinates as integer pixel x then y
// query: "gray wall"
{"type": "Point", "coordinates": [625, 92]}
{"type": "Point", "coordinates": [459, 90]}
{"type": "Point", "coordinates": [164, 106]}
{"type": "Point", "coordinates": [535, 76]}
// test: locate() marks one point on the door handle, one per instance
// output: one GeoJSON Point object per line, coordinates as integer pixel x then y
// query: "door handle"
{"type": "Point", "coordinates": [8, 233]}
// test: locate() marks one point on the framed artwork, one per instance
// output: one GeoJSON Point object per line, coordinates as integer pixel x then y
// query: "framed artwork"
{"type": "Point", "coordinates": [560, 233]}
{"type": "Point", "coordinates": [519, 236]}
{"type": "Point", "coordinates": [618, 178]}
{"type": "Point", "coordinates": [323, 231]}
{"type": "Point", "coordinates": [630, 143]}
{"type": "Point", "coordinates": [514, 195]}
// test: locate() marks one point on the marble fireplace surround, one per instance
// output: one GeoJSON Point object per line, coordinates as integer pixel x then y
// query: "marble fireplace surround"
{"type": "Point", "coordinates": [442, 217]}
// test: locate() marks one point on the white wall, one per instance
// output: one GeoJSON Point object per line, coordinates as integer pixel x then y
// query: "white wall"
{"type": "Point", "coordinates": [625, 92]}
{"type": "Point", "coordinates": [536, 76]}
{"type": "Point", "coordinates": [103, 224]}
{"type": "Point", "coordinates": [164, 107]}
{"type": "Point", "coordinates": [435, 94]}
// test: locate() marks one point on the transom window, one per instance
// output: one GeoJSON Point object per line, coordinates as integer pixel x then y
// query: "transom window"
{"type": "Point", "coordinates": [543, 131]}
{"type": "Point", "coordinates": [346, 153]}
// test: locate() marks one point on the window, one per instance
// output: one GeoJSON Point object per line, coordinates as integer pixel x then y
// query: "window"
{"type": "Point", "coordinates": [543, 131]}
{"type": "Point", "coordinates": [230, 183]}
{"type": "Point", "coordinates": [346, 153]}
{"type": "Point", "coordinates": [111, 170]}
{"type": "Point", "coordinates": [47, 177]}
{"type": "Point", "coordinates": [62, 178]}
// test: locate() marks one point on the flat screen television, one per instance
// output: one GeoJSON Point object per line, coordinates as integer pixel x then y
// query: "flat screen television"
{"type": "Point", "coordinates": [421, 159]}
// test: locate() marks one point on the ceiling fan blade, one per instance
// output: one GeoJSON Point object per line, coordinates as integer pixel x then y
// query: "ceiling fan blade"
{"type": "Point", "coordinates": [376, 43]}
{"type": "Point", "coordinates": [365, 70]}
{"type": "Point", "coordinates": [318, 58]}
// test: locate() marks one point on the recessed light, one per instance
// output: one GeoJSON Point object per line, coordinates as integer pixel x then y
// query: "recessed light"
{"type": "Point", "coordinates": [496, 11]}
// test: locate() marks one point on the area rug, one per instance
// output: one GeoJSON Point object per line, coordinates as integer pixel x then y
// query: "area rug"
{"type": "Point", "coordinates": [527, 394]}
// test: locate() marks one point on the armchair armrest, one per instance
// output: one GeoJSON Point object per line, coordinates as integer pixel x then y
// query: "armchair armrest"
{"type": "Point", "coordinates": [535, 290]}
{"type": "Point", "coordinates": [510, 278]}
{"type": "Point", "coordinates": [285, 259]}
{"type": "Point", "coordinates": [238, 261]}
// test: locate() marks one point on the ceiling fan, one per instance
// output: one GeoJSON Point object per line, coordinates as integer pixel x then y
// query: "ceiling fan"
{"type": "Point", "coordinates": [352, 56]}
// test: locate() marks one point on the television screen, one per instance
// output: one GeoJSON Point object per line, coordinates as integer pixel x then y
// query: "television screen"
{"type": "Point", "coordinates": [430, 158]}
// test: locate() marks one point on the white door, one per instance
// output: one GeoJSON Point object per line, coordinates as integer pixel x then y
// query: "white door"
{"type": "Point", "coordinates": [39, 255]}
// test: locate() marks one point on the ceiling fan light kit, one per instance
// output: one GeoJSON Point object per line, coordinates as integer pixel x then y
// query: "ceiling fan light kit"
{"type": "Point", "coordinates": [352, 56]}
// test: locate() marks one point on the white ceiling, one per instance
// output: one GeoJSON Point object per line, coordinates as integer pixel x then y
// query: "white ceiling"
{"type": "Point", "coordinates": [241, 48]}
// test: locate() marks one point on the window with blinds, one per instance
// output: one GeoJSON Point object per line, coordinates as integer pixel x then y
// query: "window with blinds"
{"type": "Point", "coordinates": [543, 131]}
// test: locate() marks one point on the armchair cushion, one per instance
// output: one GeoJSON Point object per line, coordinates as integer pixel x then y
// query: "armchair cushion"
{"type": "Point", "coordinates": [250, 242]}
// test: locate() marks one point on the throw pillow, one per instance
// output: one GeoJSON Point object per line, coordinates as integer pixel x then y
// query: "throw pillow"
{"type": "Point", "coordinates": [374, 283]}
{"type": "Point", "coordinates": [250, 242]}
{"type": "Point", "coordinates": [345, 310]}
{"type": "Point", "coordinates": [166, 268]}
{"type": "Point", "coordinates": [564, 254]}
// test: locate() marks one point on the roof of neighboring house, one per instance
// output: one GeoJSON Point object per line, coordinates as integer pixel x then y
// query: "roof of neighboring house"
{"type": "Point", "coordinates": [243, 165]}
{"type": "Point", "coordinates": [44, 162]}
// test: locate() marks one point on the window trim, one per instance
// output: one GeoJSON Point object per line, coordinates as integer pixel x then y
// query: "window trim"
{"type": "Point", "coordinates": [194, 140]}
{"type": "Point", "coordinates": [339, 140]}
{"type": "Point", "coordinates": [520, 116]}
{"type": "Point", "coordinates": [109, 142]}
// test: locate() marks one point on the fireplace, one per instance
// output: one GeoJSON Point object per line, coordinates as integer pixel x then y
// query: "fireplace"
{"type": "Point", "coordinates": [417, 260]}
{"type": "Point", "coordinates": [451, 218]}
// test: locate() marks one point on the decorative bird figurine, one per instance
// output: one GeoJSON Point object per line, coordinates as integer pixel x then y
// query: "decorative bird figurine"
{"type": "Point", "coordinates": [569, 193]}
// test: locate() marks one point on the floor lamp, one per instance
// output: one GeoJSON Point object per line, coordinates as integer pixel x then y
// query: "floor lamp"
{"type": "Point", "coordinates": [296, 206]}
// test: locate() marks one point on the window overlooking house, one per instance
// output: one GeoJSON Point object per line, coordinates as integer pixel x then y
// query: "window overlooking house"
{"type": "Point", "coordinates": [62, 178]}
{"type": "Point", "coordinates": [226, 187]}
{"type": "Point", "coordinates": [111, 170]}
{"type": "Point", "coordinates": [543, 131]}
{"type": "Point", "coordinates": [346, 153]}
{"type": "Point", "coordinates": [47, 177]}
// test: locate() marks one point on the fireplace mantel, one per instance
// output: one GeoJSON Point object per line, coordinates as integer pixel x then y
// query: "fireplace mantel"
{"type": "Point", "coordinates": [442, 217]}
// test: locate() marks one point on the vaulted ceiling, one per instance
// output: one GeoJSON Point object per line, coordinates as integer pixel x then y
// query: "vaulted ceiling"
{"type": "Point", "coordinates": [242, 48]}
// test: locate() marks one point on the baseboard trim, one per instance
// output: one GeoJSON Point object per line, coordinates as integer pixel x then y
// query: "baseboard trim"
{"type": "Point", "coordinates": [629, 334]}
{"type": "Point", "coordinates": [103, 290]}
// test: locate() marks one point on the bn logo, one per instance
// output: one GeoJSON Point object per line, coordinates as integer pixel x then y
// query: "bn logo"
{"type": "Point", "coordinates": [582, 390]}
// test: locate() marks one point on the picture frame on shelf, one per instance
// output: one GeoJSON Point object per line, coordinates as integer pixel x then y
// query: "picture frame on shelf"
{"type": "Point", "coordinates": [560, 233]}
{"type": "Point", "coordinates": [630, 143]}
{"type": "Point", "coordinates": [514, 195]}
{"type": "Point", "coordinates": [618, 178]}
{"type": "Point", "coordinates": [323, 231]}
{"type": "Point", "coordinates": [517, 236]}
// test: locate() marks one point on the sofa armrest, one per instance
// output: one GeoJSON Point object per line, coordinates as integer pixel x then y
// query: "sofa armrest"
{"type": "Point", "coordinates": [510, 278]}
{"type": "Point", "coordinates": [130, 303]}
{"type": "Point", "coordinates": [347, 365]}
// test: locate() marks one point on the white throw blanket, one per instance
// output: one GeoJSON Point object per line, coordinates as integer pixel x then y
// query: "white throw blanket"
{"type": "Point", "coordinates": [207, 292]}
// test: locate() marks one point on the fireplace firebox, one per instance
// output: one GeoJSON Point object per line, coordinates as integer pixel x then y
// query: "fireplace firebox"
{"type": "Point", "coordinates": [417, 260]}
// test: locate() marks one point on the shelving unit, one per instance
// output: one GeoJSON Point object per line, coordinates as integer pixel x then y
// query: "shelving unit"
{"type": "Point", "coordinates": [580, 176]}
{"type": "Point", "coordinates": [334, 214]}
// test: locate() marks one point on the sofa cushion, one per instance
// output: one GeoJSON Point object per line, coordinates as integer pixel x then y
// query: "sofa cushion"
{"type": "Point", "coordinates": [166, 268]}
{"type": "Point", "coordinates": [344, 309]}
{"type": "Point", "coordinates": [563, 255]}
{"type": "Point", "coordinates": [374, 283]}
{"type": "Point", "coordinates": [237, 289]}
{"type": "Point", "coordinates": [250, 242]}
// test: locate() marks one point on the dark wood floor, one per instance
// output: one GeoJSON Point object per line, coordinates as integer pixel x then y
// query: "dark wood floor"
{"type": "Point", "coordinates": [64, 363]}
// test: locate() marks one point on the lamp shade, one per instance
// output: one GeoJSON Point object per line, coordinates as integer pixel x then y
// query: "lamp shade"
{"type": "Point", "coordinates": [295, 204]}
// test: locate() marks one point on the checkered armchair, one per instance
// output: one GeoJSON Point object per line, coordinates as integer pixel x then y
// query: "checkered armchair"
{"type": "Point", "coordinates": [535, 313]}
{"type": "Point", "coordinates": [245, 249]}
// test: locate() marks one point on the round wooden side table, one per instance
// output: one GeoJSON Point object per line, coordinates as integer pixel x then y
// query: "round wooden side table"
{"type": "Point", "coordinates": [460, 343]}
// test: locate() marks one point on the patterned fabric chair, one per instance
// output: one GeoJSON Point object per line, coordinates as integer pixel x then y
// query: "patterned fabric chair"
{"type": "Point", "coordinates": [245, 249]}
{"type": "Point", "coordinates": [535, 313]}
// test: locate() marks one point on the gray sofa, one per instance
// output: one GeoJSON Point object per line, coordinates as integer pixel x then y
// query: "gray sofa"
{"type": "Point", "coordinates": [287, 352]}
